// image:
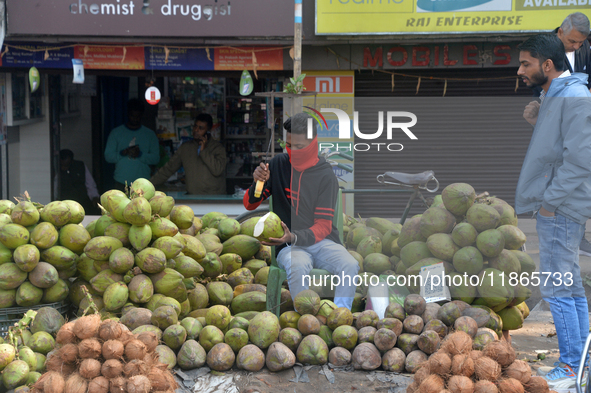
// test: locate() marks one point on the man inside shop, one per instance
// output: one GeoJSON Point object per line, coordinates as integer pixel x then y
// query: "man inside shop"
{"type": "Point", "coordinates": [573, 33]}
{"type": "Point", "coordinates": [132, 147]}
{"type": "Point", "coordinates": [203, 158]}
{"type": "Point", "coordinates": [77, 184]}
{"type": "Point", "coordinates": [304, 189]}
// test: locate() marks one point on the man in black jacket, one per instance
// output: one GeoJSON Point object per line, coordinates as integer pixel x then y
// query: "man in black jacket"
{"type": "Point", "coordinates": [77, 184]}
{"type": "Point", "coordinates": [573, 33]}
{"type": "Point", "coordinates": [304, 189]}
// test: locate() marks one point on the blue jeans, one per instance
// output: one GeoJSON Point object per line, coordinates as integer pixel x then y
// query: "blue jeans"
{"type": "Point", "coordinates": [559, 255]}
{"type": "Point", "coordinates": [326, 254]}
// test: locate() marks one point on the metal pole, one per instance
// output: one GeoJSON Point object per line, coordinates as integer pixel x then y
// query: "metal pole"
{"type": "Point", "coordinates": [297, 52]}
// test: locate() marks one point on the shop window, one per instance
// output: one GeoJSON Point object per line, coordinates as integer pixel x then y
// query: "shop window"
{"type": "Point", "coordinates": [24, 107]}
{"type": "Point", "coordinates": [70, 97]}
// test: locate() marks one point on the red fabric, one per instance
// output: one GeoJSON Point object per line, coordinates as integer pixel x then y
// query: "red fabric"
{"type": "Point", "coordinates": [305, 158]}
{"type": "Point", "coordinates": [324, 211]}
{"type": "Point", "coordinates": [250, 206]}
{"type": "Point", "coordinates": [321, 229]}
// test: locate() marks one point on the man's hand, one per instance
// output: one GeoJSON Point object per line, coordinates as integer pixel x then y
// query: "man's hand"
{"type": "Point", "coordinates": [134, 151]}
{"type": "Point", "coordinates": [546, 213]}
{"type": "Point", "coordinates": [530, 114]}
{"type": "Point", "coordinates": [287, 237]}
{"type": "Point", "coordinates": [261, 173]}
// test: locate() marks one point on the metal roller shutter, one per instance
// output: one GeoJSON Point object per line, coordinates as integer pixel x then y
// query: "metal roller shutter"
{"type": "Point", "coordinates": [480, 140]}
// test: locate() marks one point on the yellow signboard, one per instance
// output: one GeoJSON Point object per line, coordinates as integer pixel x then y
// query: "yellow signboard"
{"type": "Point", "coordinates": [335, 17]}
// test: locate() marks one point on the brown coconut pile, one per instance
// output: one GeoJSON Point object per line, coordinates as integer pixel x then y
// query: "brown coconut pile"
{"type": "Point", "coordinates": [104, 357]}
{"type": "Point", "coordinates": [456, 368]}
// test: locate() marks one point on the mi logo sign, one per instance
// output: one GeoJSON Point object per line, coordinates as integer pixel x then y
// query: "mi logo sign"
{"type": "Point", "coordinates": [329, 84]}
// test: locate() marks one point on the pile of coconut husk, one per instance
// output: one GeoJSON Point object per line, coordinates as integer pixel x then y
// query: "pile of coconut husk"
{"type": "Point", "coordinates": [457, 368]}
{"type": "Point", "coordinates": [104, 357]}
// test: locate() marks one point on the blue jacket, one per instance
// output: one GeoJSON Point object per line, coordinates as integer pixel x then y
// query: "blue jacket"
{"type": "Point", "coordinates": [128, 169]}
{"type": "Point", "coordinates": [556, 171]}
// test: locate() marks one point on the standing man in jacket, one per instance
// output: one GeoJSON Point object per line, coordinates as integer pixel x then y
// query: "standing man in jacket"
{"type": "Point", "coordinates": [304, 189]}
{"type": "Point", "coordinates": [132, 147]}
{"type": "Point", "coordinates": [203, 158]}
{"type": "Point", "coordinates": [555, 182]}
{"type": "Point", "coordinates": [573, 33]}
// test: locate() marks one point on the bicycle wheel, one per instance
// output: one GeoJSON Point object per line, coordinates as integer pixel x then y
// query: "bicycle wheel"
{"type": "Point", "coordinates": [254, 213]}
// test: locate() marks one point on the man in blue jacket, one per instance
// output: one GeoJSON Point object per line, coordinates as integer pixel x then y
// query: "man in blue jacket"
{"type": "Point", "coordinates": [555, 182]}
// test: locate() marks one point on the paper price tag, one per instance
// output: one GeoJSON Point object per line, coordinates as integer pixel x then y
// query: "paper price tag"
{"type": "Point", "coordinates": [433, 288]}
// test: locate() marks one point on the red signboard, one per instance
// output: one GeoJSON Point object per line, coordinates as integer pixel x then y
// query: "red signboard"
{"type": "Point", "coordinates": [111, 57]}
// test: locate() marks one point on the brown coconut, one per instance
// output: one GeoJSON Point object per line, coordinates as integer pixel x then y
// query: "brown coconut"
{"type": "Point", "coordinates": [55, 363]}
{"type": "Point", "coordinates": [462, 365]}
{"type": "Point", "coordinates": [135, 349]}
{"type": "Point", "coordinates": [98, 385]}
{"type": "Point", "coordinates": [135, 367]}
{"type": "Point", "coordinates": [440, 363]}
{"type": "Point", "coordinates": [139, 384]}
{"type": "Point", "coordinates": [76, 384]}
{"type": "Point", "coordinates": [113, 349]}
{"type": "Point", "coordinates": [112, 368]}
{"type": "Point", "coordinates": [485, 387]}
{"type": "Point", "coordinates": [66, 334]}
{"type": "Point", "coordinates": [460, 384]}
{"type": "Point", "coordinates": [87, 326]}
{"type": "Point", "coordinates": [118, 385]}
{"type": "Point", "coordinates": [110, 330]}
{"type": "Point", "coordinates": [90, 348]}
{"type": "Point", "coordinates": [68, 353]}
{"type": "Point", "coordinates": [500, 351]}
{"type": "Point", "coordinates": [519, 370]}
{"type": "Point", "coordinates": [475, 355]}
{"type": "Point", "coordinates": [150, 340]}
{"type": "Point", "coordinates": [510, 385]}
{"type": "Point", "coordinates": [412, 388]}
{"type": "Point", "coordinates": [90, 368]}
{"type": "Point", "coordinates": [457, 343]}
{"type": "Point", "coordinates": [537, 385]}
{"type": "Point", "coordinates": [432, 384]}
{"type": "Point", "coordinates": [421, 374]}
{"type": "Point", "coordinates": [51, 382]}
{"type": "Point", "coordinates": [487, 369]}
{"type": "Point", "coordinates": [158, 379]}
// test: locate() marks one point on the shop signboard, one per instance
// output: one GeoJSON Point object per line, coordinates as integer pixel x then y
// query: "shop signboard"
{"type": "Point", "coordinates": [335, 17]}
{"type": "Point", "coordinates": [179, 59]}
{"type": "Point", "coordinates": [33, 55]}
{"type": "Point", "coordinates": [150, 18]}
{"type": "Point", "coordinates": [245, 57]}
{"type": "Point", "coordinates": [111, 57]}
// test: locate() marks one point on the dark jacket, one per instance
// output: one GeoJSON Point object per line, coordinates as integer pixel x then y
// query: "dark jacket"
{"type": "Point", "coordinates": [73, 186]}
{"type": "Point", "coordinates": [304, 201]}
{"type": "Point", "coordinates": [582, 63]}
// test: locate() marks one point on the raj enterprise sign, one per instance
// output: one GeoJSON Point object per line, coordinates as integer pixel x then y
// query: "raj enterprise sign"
{"type": "Point", "coordinates": [344, 128]}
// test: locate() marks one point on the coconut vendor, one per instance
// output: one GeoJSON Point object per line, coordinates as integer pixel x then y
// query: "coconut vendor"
{"type": "Point", "coordinates": [203, 158]}
{"type": "Point", "coordinates": [555, 182]}
{"type": "Point", "coordinates": [304, 189]}
{"type": "Point", "coordinates": [132, 147]}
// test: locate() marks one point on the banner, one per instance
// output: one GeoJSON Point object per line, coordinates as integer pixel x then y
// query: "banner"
{"type": "Point", "coordinates": [242, 59]}
{"type": "Point", "coordinates": [334, 17]}
{"type": "Point", "coordinates": [110, 57]}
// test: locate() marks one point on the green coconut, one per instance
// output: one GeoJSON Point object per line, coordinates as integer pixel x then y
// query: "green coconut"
{"type": "Point", "coordinates": [25, 214]}
{"type": "Point", "coordinates": [458, 198]}
{"type": "Point", "coordinates": [413, 252]}
{"type": "Point", "coordinates": [170, 246]}
{"type": "Point", "coordinates": [264, 329]}
{"type": "Point", "coordinates": [182, 216]}
{"type": "Point", "coordinates": [48, 319]}
{"type": "Point", "coordinates": [161, 205]}
{"type": "Point", "coordinates": [143, 187]}
{"type": "Point", "coordinates": [483, 217]}
{"type": "Point", "coordinates": [74, 237]}
{"type": "Point", "coordinates": [26, 257]}
{"type": "Point", "coordinates": [174, 336]}
{"type": "Point", "coordinates": [192, 326]}
{"type": "Point", "coordinates": [464, 234]}
{"type": "Point", "coordinates": [191, 355]}
{"type": "Point", "coordinates": [490, 242]}
{"type": "Point", "coordinates": [468, 260]}
{"type": "Point", "coordinates": [15, 374]}
{"type": "Point", "coordinates": [57, 213]}
{"type": "Point", "coordinates": [12, 277]}
{"type": "Point", "coordinates": [42, 342]}
{"type": "Point", "coordinates": [56, 293]}
{"type": "Point", "coordinates": [13, 235]}
{"type": "Point", "coordinates": [268, 226]}
{"type": "Point", "coordinates": [514, 237]}
{"type": "Point", "coordinates": [44, 235]}
{"type": "Point", "coordinates": [100, 248]}
{"type": "Point", "coordinates": [442, 246]}
{"type": "Point", "coordinates": [151, 260]}
{"type": "Point", "coordinates": [140, 236]}
{"type": "Point", "coordinates": [436, 220]}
